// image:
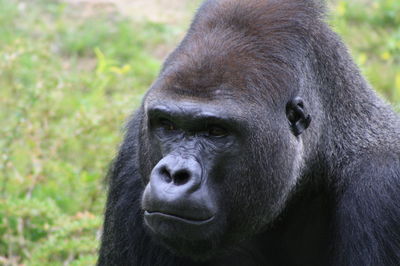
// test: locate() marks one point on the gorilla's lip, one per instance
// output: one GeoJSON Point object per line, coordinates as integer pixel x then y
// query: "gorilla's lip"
{"type": "Point", "coordinates": [191, 220]}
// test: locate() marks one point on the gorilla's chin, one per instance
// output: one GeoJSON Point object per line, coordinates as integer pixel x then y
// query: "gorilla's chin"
{"type": "Point", "coordinates": [184, 237]}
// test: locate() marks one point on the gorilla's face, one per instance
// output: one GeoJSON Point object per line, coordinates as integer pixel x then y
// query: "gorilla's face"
{"type": "Point", "coordinates": [222, 169]}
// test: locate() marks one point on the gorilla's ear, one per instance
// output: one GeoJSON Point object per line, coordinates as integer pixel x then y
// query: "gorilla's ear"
{"type": "Point", "coordinates": [299, 119]}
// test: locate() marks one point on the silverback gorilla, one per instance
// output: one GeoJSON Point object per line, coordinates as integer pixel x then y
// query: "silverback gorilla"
{"type": "Point", "coordinates": [259, 144]}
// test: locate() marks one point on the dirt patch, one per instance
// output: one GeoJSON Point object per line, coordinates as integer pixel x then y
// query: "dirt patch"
{"type": "Point", "coordinates": [165, 11]}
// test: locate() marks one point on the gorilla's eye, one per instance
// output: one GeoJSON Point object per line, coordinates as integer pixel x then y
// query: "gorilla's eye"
{"type": "Point", "coordinates": [166, 124]}
{"type": "Point", "coordinates": [216, 131]}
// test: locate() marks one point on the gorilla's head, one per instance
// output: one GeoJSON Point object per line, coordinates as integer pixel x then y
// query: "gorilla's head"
{"type": "Point", "coordinates": [221, 147]}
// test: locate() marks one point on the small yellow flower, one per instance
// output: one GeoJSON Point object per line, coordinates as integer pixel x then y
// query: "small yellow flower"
{"type": "Point", "coordinates": [362, 58]}
{"type": "Point", "coordinates": [386, 55]}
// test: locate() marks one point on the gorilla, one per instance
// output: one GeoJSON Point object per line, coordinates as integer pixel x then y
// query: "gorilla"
{"type": "Point", "coordinates": [259, 143]}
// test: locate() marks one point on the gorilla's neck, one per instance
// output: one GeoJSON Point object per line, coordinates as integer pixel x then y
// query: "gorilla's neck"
{"type": "Point", "coordinates": [303, 230]}
{"type": "Point", "coordinates": [299, 237]}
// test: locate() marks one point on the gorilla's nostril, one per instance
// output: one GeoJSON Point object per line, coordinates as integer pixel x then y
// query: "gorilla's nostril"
{"type": "Point", "coordinates": [165, 174]}
{"type": "Point", "coordinates": [181, 177]}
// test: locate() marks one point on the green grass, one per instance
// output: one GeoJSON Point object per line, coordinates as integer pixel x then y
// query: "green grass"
{"type": "Point", "coordinates": [67, 83]}
{"type": "Point", "coordinates": [68, 80]}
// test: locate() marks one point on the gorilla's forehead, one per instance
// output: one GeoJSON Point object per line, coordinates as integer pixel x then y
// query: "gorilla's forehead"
{"type": "Point", "coordinates": [220, 84]}
{"type": "Point", "coordinates": [207, 74]}
{"type": "Point", "coordinates": [206, 70]}
{"type": "Point", "coordinates": [215, 63]}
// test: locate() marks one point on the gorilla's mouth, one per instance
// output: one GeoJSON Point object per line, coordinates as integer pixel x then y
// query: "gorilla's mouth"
{"type": "Point", "coordinates": [170, 226]}
{"type": "Point", "coordinates": [179, 218]}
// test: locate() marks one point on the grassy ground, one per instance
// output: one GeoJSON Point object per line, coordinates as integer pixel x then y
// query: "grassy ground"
{"type": "Point", "coordinates": [72, 71]}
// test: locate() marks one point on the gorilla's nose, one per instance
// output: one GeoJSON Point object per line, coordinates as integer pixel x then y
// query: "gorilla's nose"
{"type": "Point", "coordinates": [176, 175]}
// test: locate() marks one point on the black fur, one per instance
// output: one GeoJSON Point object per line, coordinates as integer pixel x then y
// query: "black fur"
{"type": "Point", "coordinates": [345, 206]}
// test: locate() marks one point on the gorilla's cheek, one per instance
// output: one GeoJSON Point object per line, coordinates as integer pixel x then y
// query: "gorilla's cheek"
{"type": "Point", "coordinates": [261, 190]}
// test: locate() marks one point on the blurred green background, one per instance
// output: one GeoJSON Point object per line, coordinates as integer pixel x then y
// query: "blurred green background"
{"type": "Point", "coordinates": [71, 72]}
